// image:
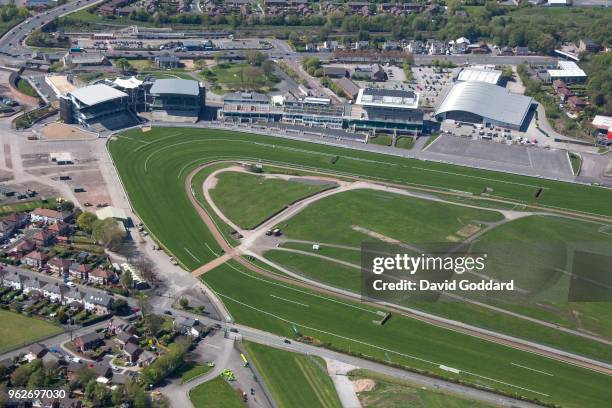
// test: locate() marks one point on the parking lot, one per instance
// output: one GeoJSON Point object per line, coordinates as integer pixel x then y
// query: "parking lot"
{"type": "Point", "coordinates": [549, 161]}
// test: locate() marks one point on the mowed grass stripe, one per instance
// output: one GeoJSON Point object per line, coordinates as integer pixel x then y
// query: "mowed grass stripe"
{"type": "Point", "coordinates": [294, 379]}
{"type": "Point", "coordinates": [408, 342]}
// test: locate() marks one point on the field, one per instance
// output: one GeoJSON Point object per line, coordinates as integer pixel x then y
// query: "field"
{"type": "Point", "coordinates": [161, 159]}
{"type": "Point", "coordinates": [25, 88]}
{"type": "Point", "coordinates": [248, 200]}
{"type": "Point", "coordinates": [237, 77]}
{"type": "Point", "coordinates": [189, 370]}
{"type": "Point", "coordinates": [17, 330]}
{"type": "Point", "coordinates": [392, 215]}
{"type": "Point", "coordinates": [215, 393]}
{"type": "Point", "coordinates": [390, 392]}
{"type": "Point", "coordinates": [154, 161]}
{"type": "Point", "coordinates": [382, 139]}
{"type": "Point", "coordinates": [405, 143]}
{"type": "Point", "coordinates": [295, 380]}
{"type": "Point", "coordinates": [348, 326]}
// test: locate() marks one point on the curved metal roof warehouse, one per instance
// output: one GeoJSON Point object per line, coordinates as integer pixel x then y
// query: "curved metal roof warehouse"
{"type": "Point", "coordinates": [487, 103]}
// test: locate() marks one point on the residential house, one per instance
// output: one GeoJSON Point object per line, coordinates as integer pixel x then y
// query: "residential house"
{"type": "Point", "coordinates": [506, 51]}
{"type": "Point", "coordinates": [189, 327]}
{"type": "Point", "coordinates": [60, 228]}
{"type": "Point", "coordinates": [74, 298]}
{"type": "Point", "coordinates": [521, 51]}
{"type": "Point", "coordinates": [89, 341]}
{"type": "Point", "coordinates": [15, 280]}
{"type": "Point", "coordinates": [576, 103]}
{"type": "Point", "coordinates": [42, 238]}
{"type": "Point", "coordinates": [47, 216]}
{"type": "Point", "coordinates": [19, 219]}
{"type": "Point", "coordinates": [7, 229]}
{"type": "Point", "coordinates": [124, 338]}
{"type": "Point", "coordinates": [98, 303]}
{"type": "Point", "coordinates": [79, 270]}
{"type": "Point", "coordinates": [55, 291]}
{"type": "Point", "coordinates": [22, 248]}
{"type": "Point", "coordinates": [377, 74]}
{"type": "Point", "coordinates": [361, 45]}
{"type": "Point", "coordinates": [59, 266]}
{"type": "Point", "coordinates": [416, 47]}
{"type": "Point", "coordinates": [118, 325]}
{"type": "Point", "coordinates": [35, 285]}
{"type": "Point", "coordinates": [435, 47]}
{"type": "Point", "coordinates": [35, 259]}
{"type": "Point", "coordinates": [102, 369]}
{"type": "Point", "coordinates": [132, 352]}
{"type": "Point", "coordinates": [101, 276]}
{"type": "Point", "coordinates": [335, 72]}
{"type": "Point", "coordinates": [390, 45]}
{"type": "Point", "coordinates": [146, 358]}
{"type": "Point", "coordinates": [588, 45]}
{"type": "Point", "coordinates": [36, 350]}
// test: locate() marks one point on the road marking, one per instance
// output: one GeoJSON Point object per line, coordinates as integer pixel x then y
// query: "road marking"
{"type": "Point", "coordinates": [532, 369]}
{"type": "Point", "coordinates": [290, 301]}
{"type": "Point", "coordinates": [192, 255]}
{"type": "Point", "coordinates": [212, 345]}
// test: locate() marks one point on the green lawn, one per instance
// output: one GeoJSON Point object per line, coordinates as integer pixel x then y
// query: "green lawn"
{"type": "Point", "coordinates": [576, 161]}
{"type": "Point", "coordinates": [279, 308]}
{"type": "Point", "coordinates": [248, 199]}
{"type": "Point", "coordinates": [321, 270]}
{"type": "Point", "coordinates": [169, 154]}
{"type": "Point", "coordinates": [190, 370]}
{"type": "Point", "coordinates": [19, 330]}
{"type": "Point", "coordinates": [342, 254]}
{"type": "Point", "coordinates": [237, 77]}
{"type": "Point", "coordinates": [381, 139]}
{"type": "Point", "coordinates": [405, 143]}
{"type": "Point", "coordinates": [25, 88]}
{"type": "Point", "coordinates": [215, 393]}
{"type": "Point", "coordinates": [339, 219]}
{"type": "Point", "coordinates": [390, 392]}
{"type": "Point", "coordinates": [295, 380]}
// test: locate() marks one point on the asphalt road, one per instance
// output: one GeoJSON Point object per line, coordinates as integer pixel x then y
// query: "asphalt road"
{"type": "Point", "coordinates": [10, 42]}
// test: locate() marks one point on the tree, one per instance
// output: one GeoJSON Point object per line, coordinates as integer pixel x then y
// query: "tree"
{"type": "Point", "coordinates": [86, 220]}
{"type": "Point", "coordinates": [146, 268]}
{"type": "Point", "coordinates": [108, 233]}
{"type": "Point", "coordinates": [507, 72]}
{"type": "Point", "coordinates": [184, 303]}
{"type": "Point", "coordinates": [123, 64]}
{"type": "Point", "coordinates": [126, 279]}
{"type": "Point", "coordinates": [267, 68]}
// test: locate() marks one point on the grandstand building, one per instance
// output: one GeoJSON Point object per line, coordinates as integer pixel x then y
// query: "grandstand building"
{"type": "Point", "coordinates": [387, 110]}
{"type": "Point", "coordinates": [487, 104]}
{"type": "Point", "coordinates": [314, 112]}
{"type": "Point", "coordinates": [135, 90]}
{"type": "Point", "coordinates": [97, 107]}
{"type": "Point", "coordinates": [248, 107]}
{"type": "Point", "coordinates": [176, 100]}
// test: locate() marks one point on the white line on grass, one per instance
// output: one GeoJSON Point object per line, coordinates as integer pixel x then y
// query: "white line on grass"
{"type": "Point", "coordinates": [290, 301]}
{"type": "Point", "coordinates": [532, 369]}
{"type": "Point", "coordinates": [480, 178]}
{"type": "Point", "coordinates": [192, 255]}
{"type": "Point", "coordinates": [371, 345]}
{"type": "Point", "coordinates": [301, 291]}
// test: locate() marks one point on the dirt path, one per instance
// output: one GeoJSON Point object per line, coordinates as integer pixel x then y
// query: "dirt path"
{"type": "Point", "coordinates": [411, 313]}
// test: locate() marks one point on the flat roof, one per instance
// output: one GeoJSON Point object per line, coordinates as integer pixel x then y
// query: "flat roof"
{"type": "Point", "coordinates": [567, 69]}
{"type": "Point", "coordinates": [490, 76]}
{"type": "Point", "coordinates": [60, 84]}
{"type": "Point", "coordinates": [388, 98]}
{"type": "Point", "coordinates": [111, 212]}
{"type": "Point", "coordinates": [98, 93]}
{"type": "Point", "coordinates": [486, 100]}
{"type": "Point", "coordinates": [602, 122]}
{"type": "Point", "coordinates": [175, 86]}
{"type": "Point", "coordinates": [128, 83]}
